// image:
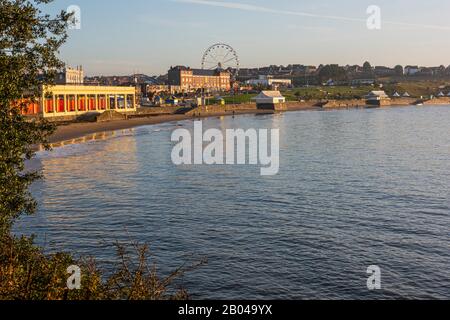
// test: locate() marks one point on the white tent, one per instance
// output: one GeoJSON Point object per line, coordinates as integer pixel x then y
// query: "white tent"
{"type": "Point", "coordinates": [396, 95]}
{"type": "Point", "coordinates": [406, 95]}
{"type": "Point", "coordinates": [448, 95]}
{"type": "Point", "coordinates": [441, 94]}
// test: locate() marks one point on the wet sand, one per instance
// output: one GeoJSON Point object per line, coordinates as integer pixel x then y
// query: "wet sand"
{"type": "Point", "coordinates": [78, 130]}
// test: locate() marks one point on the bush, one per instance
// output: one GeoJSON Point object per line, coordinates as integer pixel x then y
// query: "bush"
{"type": "Point", "coordinates": [26, 273]}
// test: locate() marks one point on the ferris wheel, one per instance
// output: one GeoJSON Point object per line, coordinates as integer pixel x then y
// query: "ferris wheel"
{"type": "Point", "coordinates": [221, 56]}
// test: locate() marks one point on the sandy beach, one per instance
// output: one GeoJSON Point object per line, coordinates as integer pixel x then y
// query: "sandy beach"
{"type": "Point", "coordinates": [78, 130]}
{"type": "Point", "coordinates": [74, 131]}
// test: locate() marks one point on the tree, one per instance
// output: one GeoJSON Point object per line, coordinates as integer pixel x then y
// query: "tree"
{"type": "Point", "coordinates": [367, 68]}
{"type": "Point", "coordinates": [398, 70]}
{"type": "Point", "coordinates": [29, 43]}
{"type": "Point", "coordinates": [332, 71]}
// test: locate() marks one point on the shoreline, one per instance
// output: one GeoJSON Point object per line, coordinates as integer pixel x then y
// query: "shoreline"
{"type": "Point", "coordinates": [72, 132]}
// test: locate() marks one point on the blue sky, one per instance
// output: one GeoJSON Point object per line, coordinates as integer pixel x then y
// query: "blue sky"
{"type": "Point", "coordinates": [148, 36]}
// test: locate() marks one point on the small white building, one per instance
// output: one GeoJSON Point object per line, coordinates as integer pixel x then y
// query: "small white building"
{"type": "Point", "coordinates": [270, 100]}
{"type": "Point", "coordinates": [377, 95]}
{"type": "Point", "coordinates": [70, 76]}
{"type": "Point", "coordinates": [269, 81]}
{"type": "Point", "coordinates": [269, 97]}
{"type": "Point", "coordinates": [378, 98]}
{"type": "Point", "coordinates": [411, 70]}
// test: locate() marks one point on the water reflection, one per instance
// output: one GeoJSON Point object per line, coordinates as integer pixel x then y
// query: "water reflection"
{"type": "Point", "coordinates": [355, 188]}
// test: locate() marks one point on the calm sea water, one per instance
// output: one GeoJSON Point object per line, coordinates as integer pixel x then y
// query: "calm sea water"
{"type": "Point", "coordinates": [355, 188]}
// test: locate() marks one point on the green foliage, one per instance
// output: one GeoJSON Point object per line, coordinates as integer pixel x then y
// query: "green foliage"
{"type": "Point", "coordinates": [27, 274]}
{"type": "Point", "coordinates": [239, 98]}
{"type": "Point", "coordinates": [399, 70]}
{"type": "Point", "coordinates": [29, 42]}
{"type": "Point", "coordinates": [367, 67]}
{"type": "Point", "coordinates": [327, 93]}
{"type": "Point", "coordinates": [332, 71]}
{"type": "Point", "coordinates": [418, 88]}
{"type": "Point", "coordinates": [16, 141]}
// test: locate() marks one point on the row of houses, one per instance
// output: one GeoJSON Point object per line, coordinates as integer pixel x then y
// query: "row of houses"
{"type": "Point", "coordinates": [426, 71]}
{"type": "Point", "coordinates": [352, 71]}
{"type": "Point", "coordinates": [184, 79]}
{"type": "Point", "coordinates": [277, 71]}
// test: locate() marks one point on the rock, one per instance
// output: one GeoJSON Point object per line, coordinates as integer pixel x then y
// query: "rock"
{"type": "Point", "coordinates": [111, 115]}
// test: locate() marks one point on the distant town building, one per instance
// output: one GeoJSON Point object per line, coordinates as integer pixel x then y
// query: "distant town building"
{"type": "Point", "coordinates": [188, 79]}
{"type": "Point", "coordinates": [411, 70]}
{"type": "Point", "coordinates": [269, 81]}
{"type": "Point", "coordinates": [353, 70]}
{"type": "Point", "coordinates": [384, 71]}
{"type": "Point", "coordinates": [359, 82]}
{"type": "Point", "coordinates": [69, 75]}
{"type": "Point", "coordinates": [154, 88]}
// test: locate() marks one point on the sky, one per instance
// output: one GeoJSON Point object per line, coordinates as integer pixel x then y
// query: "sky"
{"type": "Point", "coordinates": [119, 37]}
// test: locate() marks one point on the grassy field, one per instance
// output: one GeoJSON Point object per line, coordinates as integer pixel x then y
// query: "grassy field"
{"type": "Point", "coordinates": [240, 98]}
{"type": "Point", "coordinates": [418, 89]}
{"type": "Point", "coordinates": [415, 89]}
{"type": "Point", "coordinates": [310, 93]}
{"type": "Point", "coordinates": [318, 93]}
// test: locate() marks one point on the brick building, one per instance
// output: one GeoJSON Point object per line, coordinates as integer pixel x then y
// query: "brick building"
{"type": "Point", "coordinates": [188, 79]}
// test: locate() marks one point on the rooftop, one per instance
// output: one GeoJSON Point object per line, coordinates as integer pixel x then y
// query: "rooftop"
{"type": "Point", "coordinates": [269, 94]}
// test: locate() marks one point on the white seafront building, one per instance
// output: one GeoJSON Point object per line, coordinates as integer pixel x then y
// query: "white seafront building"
{"type": "Point", "coordinates": [269, 81]}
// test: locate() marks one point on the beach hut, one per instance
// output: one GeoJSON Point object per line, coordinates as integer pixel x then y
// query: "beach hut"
{"type": "Point", "coordinates": [270, 100]}
{"type": "Point", "coordinates": [377, 98]}
{"type": "Point", "coordinates": [406, 95]}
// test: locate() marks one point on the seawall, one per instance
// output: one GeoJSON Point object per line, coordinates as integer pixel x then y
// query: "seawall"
{"type": "Point", "coordinates": [437, 101]}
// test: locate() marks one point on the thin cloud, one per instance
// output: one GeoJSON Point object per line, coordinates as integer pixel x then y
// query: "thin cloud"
{"type": "Point", "coordinates": [260, 9]}
{"type": "Point", "coordinates": [169, 23]}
